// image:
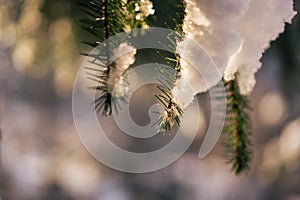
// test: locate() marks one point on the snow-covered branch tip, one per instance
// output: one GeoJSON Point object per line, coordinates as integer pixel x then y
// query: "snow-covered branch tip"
{"type": "Point", "coordinates": [104, 19]}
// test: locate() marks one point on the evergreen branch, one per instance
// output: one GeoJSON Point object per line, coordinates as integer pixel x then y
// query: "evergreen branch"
{"type": "Point", "coordinates": [103, 18]}
{"type": "Point", "coordinates": [238, 129]}
{"type": "Point", "coordinates": [107, 110]}
{"type": "Point", "coordinates": [172, 112]}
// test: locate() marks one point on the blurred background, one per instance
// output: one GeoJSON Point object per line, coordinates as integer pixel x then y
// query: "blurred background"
{"type": "Point", "coordinates": [43, 158]}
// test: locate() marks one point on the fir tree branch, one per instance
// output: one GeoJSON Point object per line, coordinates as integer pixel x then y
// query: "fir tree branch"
{"type": "Point", "coordinates": [107, 105]}
{"type": "Point", "coordinates": [172, 112]}
{"type": "Point", "coordinates": [103, 19]}
{"type": "Point", "coordinates": [238, 129]}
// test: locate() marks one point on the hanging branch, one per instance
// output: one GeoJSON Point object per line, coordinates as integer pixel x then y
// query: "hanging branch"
{"type": "Point", "coordinates": [104, 19]}
{"type": "Point", "coordinates": [172, 112]}
{"type": "Point", "coordinates": [107, 101]}
{"type": "Point", "coordinates": [238, 128]}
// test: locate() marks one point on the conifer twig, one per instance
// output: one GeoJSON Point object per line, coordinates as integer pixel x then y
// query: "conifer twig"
{"type": "Point", "coordinates": [238, 129]}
